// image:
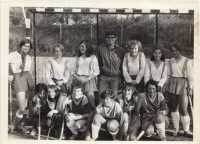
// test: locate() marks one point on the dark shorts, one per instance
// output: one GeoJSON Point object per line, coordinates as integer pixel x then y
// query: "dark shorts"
{"type": "Point", "coordinates": [24, 82]}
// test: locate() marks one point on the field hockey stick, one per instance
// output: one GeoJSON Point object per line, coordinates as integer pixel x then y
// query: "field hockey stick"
{"type": "Point", "coordinates": [190, 102]}
{"type": "Point", "coordinates": [39, 126]}
{"type": "Point", "coordinates": [49, 132]}
{"type": "Point", "coordinates": [143, 131]}
{"type": "Point", "coordinates": [62, 129]}
{"type": "Point", "coordinates": [11, 124]}
{"type": "Point", "coordinates": [63, 121]}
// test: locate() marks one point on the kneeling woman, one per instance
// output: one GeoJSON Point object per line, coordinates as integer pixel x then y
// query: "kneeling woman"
{"type": "Point", "coordinates": [52, 116]}
{"type": "Point", "coordinates": [107, 116]}
{"type": "Point", "coordinates": [154, 106]}
{"type": "Point", "coordinates": [76, 111]}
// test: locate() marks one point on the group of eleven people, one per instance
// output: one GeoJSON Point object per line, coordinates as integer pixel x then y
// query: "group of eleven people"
{"type": "Point", "coordinates": [130, 90]}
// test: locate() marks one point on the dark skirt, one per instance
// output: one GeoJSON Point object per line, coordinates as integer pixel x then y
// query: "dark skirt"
{"type": "Point", "coordinates": [89, 86]}
{"type": "Point", "coordinates": [24, 82]}
{"type": "Point", "coordinates": [140, 86]}
{"type": "Point", "coordinates": [177, 86]}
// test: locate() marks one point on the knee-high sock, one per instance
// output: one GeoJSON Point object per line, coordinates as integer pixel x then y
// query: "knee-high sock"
{"type": "Point", "coordinates": [72, 128]}
{"type": "Point", "coordinates": [18, 118]}
{"type": "Point", "coordinates": [175, 119]}
{"type": "Point", "coordinates": [95, 131]}
{"type": "Point", "coordinates": [185, 120]}
{"type": "Point", "coordinates": [161, 129]}
{"type": "Point", "coordinates": [125, 128]}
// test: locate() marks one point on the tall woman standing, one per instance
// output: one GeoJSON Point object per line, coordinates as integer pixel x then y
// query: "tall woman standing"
{"type": "Point", "coordinates": [134, 65]}
{"type": "Point", "coordinates": [87, 68]}
{"type": "Point", "coordinates": [180, 85]}
{"type": "Point", "coordinates": [56, 69]}
{"type": "Point", "coordinates": [21, 64]}
{"type": "Point", "coordinates": [156, 69]}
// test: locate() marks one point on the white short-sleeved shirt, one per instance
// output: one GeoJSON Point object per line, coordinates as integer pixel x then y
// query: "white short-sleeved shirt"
{"type": "Point", "coordinates": [15, 59]}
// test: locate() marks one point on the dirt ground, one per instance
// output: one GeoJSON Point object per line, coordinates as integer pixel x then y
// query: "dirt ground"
{"type": "Point", "coordinates": [102, 135]}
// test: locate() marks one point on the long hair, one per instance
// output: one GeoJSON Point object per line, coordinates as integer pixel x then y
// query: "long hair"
{"type": "Point", "coordinates": [162, 58]}
{"type": "Point", "coordinates": [89, 49]}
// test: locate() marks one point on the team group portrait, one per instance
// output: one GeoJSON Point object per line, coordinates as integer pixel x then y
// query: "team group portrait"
{"type": "Point", "coordinates": [100, 76]}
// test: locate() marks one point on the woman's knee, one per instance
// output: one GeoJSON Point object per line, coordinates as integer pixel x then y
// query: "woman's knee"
{"type": "Point", "coordinates": [97, 119]}
{"type": "Point", "coordinates": [132, 137]}
{"type": "Point", "coordinates": [159, 119]}
{"type": "Point", "coordinates": [112, 126]}
{"type": "Point", "coordinates": [149, 132]}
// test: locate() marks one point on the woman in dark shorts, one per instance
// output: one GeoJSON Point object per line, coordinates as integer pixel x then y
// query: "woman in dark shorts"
{"type": "Point", "coordinates": [134, 65]}
{"type": "Point", "coordinates": [21, 64]}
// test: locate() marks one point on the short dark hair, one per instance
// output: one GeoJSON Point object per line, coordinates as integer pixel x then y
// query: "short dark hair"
{"type": "Point", "coordinates": [58, 46]}
{"type": "Point", "coordinates": [134, 43]}
{"type": "Point", "coordinates": [151, 82]}
{"type": "Point", "coordinates": [41, 86]}
{"type": "Point", "coordinates": [162, 56]}
{"type": "Point", "coordinates": [89, 49]}
{"type": "Point", "coordinates": [107, 93]}
{"type": "Point", "coordinates": [128, 84]}
{"type": "Point", "coordinates": [77, 86]}
{"type": "Point", "coordinates": [23, 42]}
{"type": "Point", "coordinates": [108, 33]}
{"type": "Point", "coordinates": [176, 46]}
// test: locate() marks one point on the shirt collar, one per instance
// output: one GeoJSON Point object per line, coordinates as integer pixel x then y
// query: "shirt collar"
{"type": "Point", "coordinates": [111, 49]}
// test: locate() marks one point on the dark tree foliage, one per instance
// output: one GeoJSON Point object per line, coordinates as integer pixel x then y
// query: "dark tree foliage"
{"type": "Point", "coordinates": [70, 29]}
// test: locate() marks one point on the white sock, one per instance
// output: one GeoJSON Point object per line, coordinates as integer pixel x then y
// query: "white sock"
{"type": "Point", "coordinates": [161, 129]}
{"type": "Point", "coordinates": [72, 128]}
{"type": "Point", "coordinates": [175, 119]}
{"type": "Point", "coordinates": [185, 120]}
{"type": "Point", "coordinates": [125, 128]}
{"type": "Point", "coordinates": [95, 131]}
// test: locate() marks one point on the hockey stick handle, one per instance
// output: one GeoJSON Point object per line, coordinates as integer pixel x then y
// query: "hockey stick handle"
{"type": "Point", "coordinates": [62, 129]}
{"type": "Point", "coordinates": [10, 90]}
{"type": "Point", "coordinates": [143, 131]}
{"type": "Point", "coordinates": [191, 107]}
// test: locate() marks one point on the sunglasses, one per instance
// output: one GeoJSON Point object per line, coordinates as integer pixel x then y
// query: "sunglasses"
{"type": "Point", "coordinates": [110, 37]}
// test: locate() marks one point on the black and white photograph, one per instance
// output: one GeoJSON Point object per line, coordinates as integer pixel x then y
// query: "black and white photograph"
{"type": "Point", "coordinates": [98, 71]}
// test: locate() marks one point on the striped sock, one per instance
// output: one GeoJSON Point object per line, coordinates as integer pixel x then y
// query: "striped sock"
{"type": "Point", "coordinates": [185, 120]}
{"type": "Point", "coordinates": [95, 131]}
{"type": "Point", "coordinates": [161, 129]}
{"type": "Point", "coordinates": [175, 119]}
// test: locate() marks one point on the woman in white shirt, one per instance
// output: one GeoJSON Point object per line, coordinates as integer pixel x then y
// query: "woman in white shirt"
{"type": "Point", "coordinates": [156, 69]}
{"type": "Point", "coordinates": [134, 65]}
{"type": "Point", "coordinates": [87, 68]}
{"type": "Point", "coordinates": [56, 69]}
{"type": "Point", "coordinates": [180, 85]}
{"type": "Point", "coordinates": [20, 63]}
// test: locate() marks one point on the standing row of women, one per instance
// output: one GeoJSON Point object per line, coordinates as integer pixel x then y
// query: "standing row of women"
{"type": "Point", "coordinates": [111, 65]}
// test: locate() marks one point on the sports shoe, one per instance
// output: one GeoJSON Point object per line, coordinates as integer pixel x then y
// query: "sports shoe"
{"type": "Point", "coordinates": [188, 134]}
{"type": "Point", "coordinates": [33, 132]}
{"type": "Point", "coordinates": [163, 139]}
{"type": "Point", "coordinates": [175, 132]}
{"type": "Point", "coordinates": [73, 137]}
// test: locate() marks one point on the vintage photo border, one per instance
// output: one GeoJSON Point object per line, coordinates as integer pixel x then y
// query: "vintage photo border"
{"type": "Point", "coordinates": [173, 5]}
